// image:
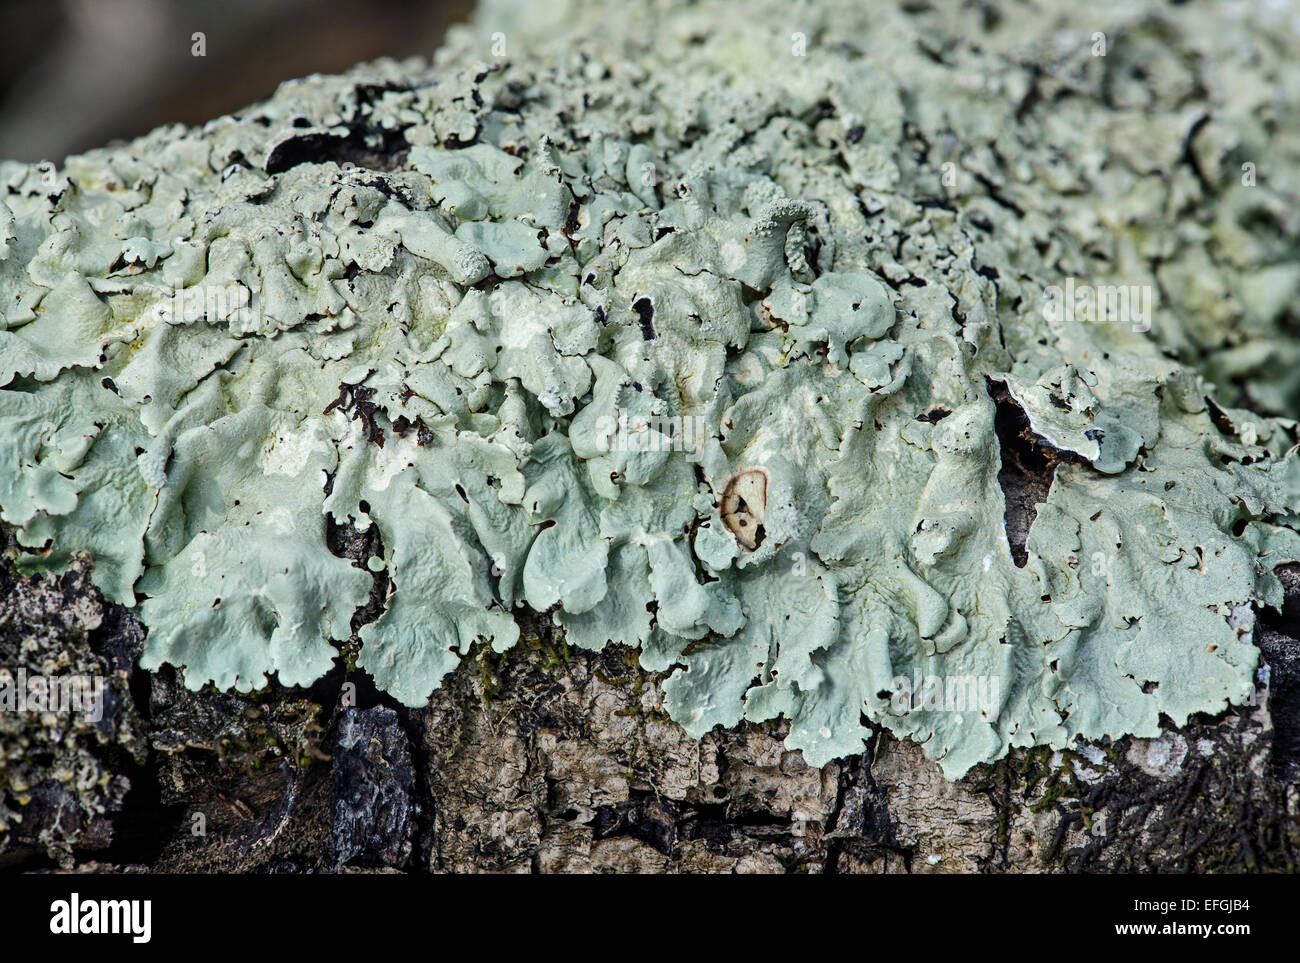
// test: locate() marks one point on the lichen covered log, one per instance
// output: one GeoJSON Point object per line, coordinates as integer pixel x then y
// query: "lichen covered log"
{"type": "Point", "coordinates": [859, 369]}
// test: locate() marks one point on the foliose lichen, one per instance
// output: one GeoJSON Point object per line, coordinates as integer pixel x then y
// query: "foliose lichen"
{"type": "Point", "coordinates": [690, 336]}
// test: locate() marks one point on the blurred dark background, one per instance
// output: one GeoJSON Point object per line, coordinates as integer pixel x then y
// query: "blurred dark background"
{"type": "Point", "coordinates": [76, 74]}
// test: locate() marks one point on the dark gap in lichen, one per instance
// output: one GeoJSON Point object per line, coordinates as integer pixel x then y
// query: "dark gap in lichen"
{"type": "Point", "coordinates": [934, 415]}
{"type": "Point", "coordinates": [645, 311]}
{"type": "Point", "coordinates": [345, 540]}
{"type": "Point", "coordinates": [1028, 466]}
{"type": "Point", "coordinates": [353, 148]}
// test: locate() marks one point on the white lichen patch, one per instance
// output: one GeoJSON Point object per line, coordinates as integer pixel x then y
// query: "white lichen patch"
{"type": "Point", "coordinates": [427, 299]}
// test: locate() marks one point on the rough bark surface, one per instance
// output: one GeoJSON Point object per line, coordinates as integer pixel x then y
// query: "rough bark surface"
{"type": "Point", "coordinates": [550, 759]}
{"type": "Point", "coordinates": [553, 760]}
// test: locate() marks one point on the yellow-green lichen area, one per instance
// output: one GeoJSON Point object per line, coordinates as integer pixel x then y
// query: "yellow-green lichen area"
{"type": "Point", "coordinates": [692, 345]}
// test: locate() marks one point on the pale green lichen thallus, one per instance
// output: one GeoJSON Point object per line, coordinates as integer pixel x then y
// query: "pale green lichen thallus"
{"type": "Point", "coordinates": [689, 336]}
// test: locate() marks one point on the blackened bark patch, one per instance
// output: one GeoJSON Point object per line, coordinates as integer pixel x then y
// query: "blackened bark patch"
{"type": "Point", "coordinates": [644, 816]}
{"type": "Point", "coordinates": [860, 825]}
{"type": "Point", "coordinates": [372, 804]}
{"type": "Point", "coordinates": [664, 824]}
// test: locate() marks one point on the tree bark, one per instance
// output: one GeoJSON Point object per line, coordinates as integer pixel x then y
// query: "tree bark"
{"type": "Point", "coordinates": [547, 759]}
